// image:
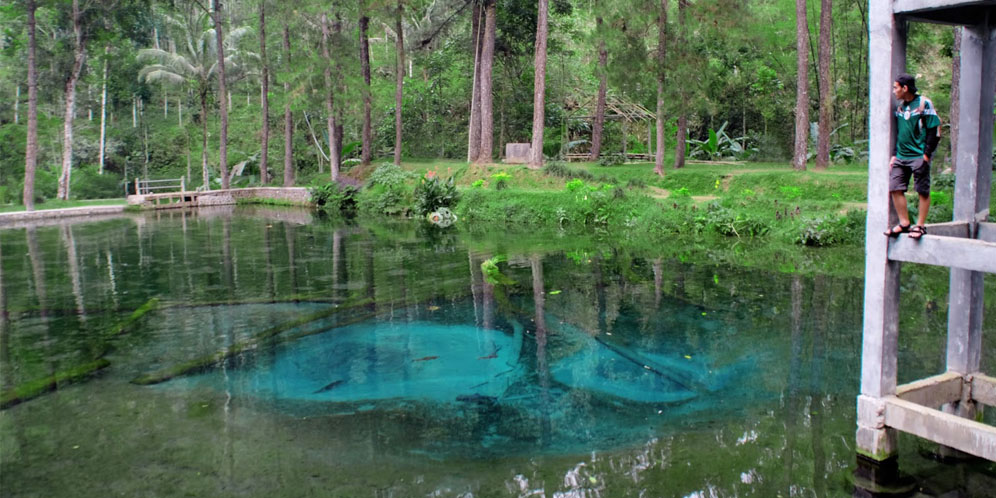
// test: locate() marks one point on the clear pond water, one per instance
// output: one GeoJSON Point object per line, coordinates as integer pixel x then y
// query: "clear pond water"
{"type": "Point", "coordinates": [290, 356]}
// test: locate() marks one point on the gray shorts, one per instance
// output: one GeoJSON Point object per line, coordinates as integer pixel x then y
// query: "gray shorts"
{"type": "Point", "coordinates": [899, 175]}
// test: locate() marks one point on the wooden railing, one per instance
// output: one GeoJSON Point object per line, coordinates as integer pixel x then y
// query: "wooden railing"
{"type": "Point", "coordinates": [143, 187]}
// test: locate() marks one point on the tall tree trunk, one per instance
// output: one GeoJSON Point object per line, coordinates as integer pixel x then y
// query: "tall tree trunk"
{"type": "Point", "coordinates": [802, 87]}
{"type": "Point", "coordinates": [103, 114]}
{"type": "Point", "coordinates": [599, 125]}
{"type": "Point", "coordinates": [31, 147]}
{"type": "Point", "coordinates": [955, 96]}
{"type": "Point", "coordinates": [539, 86]}
{"type": "Point", "coordinates": [329, 99]}
{"type": "Point", "coordinates": [223, 97]}
{"type": "Point", "coordinates": [264, 176]}
{"type": "Point", "coordinates": [399, 83]}
{"type": "Point", "coordinates": [17, 104]}
{"type": "Point", "coordinates": [474, 134]}
{"type": "Point", "coordinates": [487, 99]}
{"type": "Point", "coordinates": [288, 117]}
{"type": "Point", "coordinates": [205, 177]}
{"type": "Point", "coordinates": [367, 137]}
{"type": "Point", "coordinates": [336, 154]}
{"type": "Point", "coordinates": [79, 55]}
{"type": "Point", "coordinates": [681, 138]}
{"type": "Point", "coordinates": [661, 54]}
{"type": "Point", "coordinates": [826, 94]}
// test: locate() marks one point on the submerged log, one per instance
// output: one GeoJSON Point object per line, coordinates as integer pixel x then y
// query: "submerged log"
{"type": "Point", "coordinates": [125, 325]}
{"type": "Point", "coordinates": [34, 388]}
{"type": "Point", "coordinates": [208, 361]}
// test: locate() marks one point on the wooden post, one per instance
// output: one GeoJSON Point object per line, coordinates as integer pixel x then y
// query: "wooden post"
{"type": "Point", "coordinates": [881, 310]}
{"type": "Point", "coordinates": [137, 191]}
{"type": "Point", "coordinates": [183, 185]}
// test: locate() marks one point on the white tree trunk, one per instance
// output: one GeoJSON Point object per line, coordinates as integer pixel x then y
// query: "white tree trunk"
{"type": "Point", "coordinates": [17, 103]}
{"type": "Point", "coordinates": [103, 117]}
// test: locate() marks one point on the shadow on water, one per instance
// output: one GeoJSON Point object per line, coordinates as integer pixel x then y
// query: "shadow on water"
{"type": "Point", "coordinates": [294, 356]}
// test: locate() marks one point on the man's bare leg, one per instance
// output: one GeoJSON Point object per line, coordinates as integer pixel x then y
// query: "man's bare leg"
{"type": "Point", "coordinates": [899, 201]}
{"type": "Point", "coordinates": [921, 218]}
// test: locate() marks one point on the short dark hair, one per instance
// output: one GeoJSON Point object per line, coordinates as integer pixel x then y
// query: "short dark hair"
{"type": "Point", "coordinates": [908, 81]}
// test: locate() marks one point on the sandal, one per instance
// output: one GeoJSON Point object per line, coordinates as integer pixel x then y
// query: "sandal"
{"type": "Point", "coordinates": [917, 232]}
{"type": "Point", "coordinates": [896, 230]}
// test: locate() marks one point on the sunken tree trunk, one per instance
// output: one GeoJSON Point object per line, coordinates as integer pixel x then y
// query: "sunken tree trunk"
{"type": "Point", "coordinates": [31, 147]}
{"type": "Point", "coordinates": [661, 53]}
{"type": "Point", "coordinates": [539, 86]}
{"type": "Point", "coordinates": [329, 101]}
{"type": "Point", "coordinates": [79, 55]}
{"type": "Point", "coordinates": [399, 82]}
{"type": "Point", "coordinates": [826, 96]}
{"type": "Point", "coordinates": [367, 153]}
{"type": "Point", "coordinates": [288, 117]}
{"type": "Point", "coordinates": [474, 133]}
{"type": "Point", "coordinates": [265, 94]}
{"type": "Point", "coordinates": [599, 124]}
{"type": "Point", "coordinates": [487, 99]}
{"type": "Point", "coordinates": [222, 97]}
{"type": "Point", "coordinates": [802, 87]}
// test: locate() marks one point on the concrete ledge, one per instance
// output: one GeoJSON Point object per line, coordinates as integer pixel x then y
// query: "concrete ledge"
{"type": "Point", "coordinates": [950, 430]}
{"type": "Point", "coordinates": [27, 217]}
{"type": "Point", "coordinates": [932, 391]}
{"type": "Point", "coordinates": [190, 198]}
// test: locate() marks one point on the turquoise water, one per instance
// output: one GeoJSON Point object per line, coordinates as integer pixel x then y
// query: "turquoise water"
{"type": "Point", "coordinates": [315, 358]}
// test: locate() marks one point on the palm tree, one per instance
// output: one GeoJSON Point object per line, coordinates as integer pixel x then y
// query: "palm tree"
{"type": "Point", "coordinates": [194, 62]}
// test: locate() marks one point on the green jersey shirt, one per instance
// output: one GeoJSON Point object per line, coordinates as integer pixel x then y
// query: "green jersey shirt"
{"type": "Point", "coordinates": [914, 120]}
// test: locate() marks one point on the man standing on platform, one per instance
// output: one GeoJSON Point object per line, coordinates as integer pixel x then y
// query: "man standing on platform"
{"type": "Point", "coordinates": [917, 134]}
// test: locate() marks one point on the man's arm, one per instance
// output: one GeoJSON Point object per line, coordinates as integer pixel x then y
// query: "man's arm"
{"type": "Point", "coordinates": [933, 138]}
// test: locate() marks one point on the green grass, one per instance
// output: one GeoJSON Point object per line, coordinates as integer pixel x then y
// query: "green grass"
{"type": "Point", "coordinates": [57, 204]}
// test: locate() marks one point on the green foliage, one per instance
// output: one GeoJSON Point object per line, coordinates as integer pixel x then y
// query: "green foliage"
{"type": "Point", "coordinates": [731, 223]}
{"type": "Point", "coordinates": [87, 184]}
{"type": "Point", "coordinates": [479, 183]}
{"type": "Point", "coordinates": [611, 160]}
{"type": "Point", "coordinates": [563, 170]}
{"type": "Point", "coordinates": [492, 274]}
{"type": "Point", "coordinates": [387, 191]}
{"type": "Point", "coordinates": [719, 145]}
{"type": "Point", "coordinates": [790, 192]}
{"type": "Point", "coordinates": [500, 180]}
{"type": "Point", "coordinates": [334, 198]}
{"type": "Point", "coordinates": [832, 229]}
{"type": "Point", "coordinates": [432, 193]}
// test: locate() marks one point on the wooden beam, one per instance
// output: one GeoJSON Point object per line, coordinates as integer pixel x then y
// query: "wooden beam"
{"type": "Point", "coordinates": [949, 430]}
{"type": "Point", "coordinates": [967, 254]}
{"type": "Point", "coordinates": [932, 391]}
{"type": "Point", "coordinates": [984, 389]}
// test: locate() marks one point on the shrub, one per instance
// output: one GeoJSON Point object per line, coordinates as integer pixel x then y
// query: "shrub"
{"type": "Point", "coordinates": [334, 197]}
{"type": "Point", "coordinates": [832, 229]}
{"type": "Point", "coordinates": [432, 193]}
{"type": "Point", "coordinates": [477, 184]}
{"type": "Point", "coordinates": [87, 184]}
{"type": "Point", "coordinates": [562, 170]}
{"type": "Point", "coordinates": [611, 160]}
{"type": "Point", "coordinates": [726, 222]}
{"type": "Point", "coordinates": [500, 180]}
{"type": "Point", "coordinates": [390, 175]}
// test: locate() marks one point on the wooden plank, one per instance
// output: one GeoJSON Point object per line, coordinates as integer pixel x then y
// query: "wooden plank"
{"type": "Point", "coordinates": [967, 254]}
{"type": "Point", "coordinates": [984, 389]}
{"type": "Point", "coordinates": [949, 430]}
{"type": "Point", "coordinates": [932, 391]}
{"type": "Point", "coordinates": [958, 229]}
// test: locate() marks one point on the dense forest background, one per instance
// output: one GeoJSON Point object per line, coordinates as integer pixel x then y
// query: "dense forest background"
{"type": "Point", "coordinates": [149, 67]}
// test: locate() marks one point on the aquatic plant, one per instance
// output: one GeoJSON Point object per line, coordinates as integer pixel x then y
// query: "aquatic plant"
{"type": "Point", "coordinates": [432, 193]}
